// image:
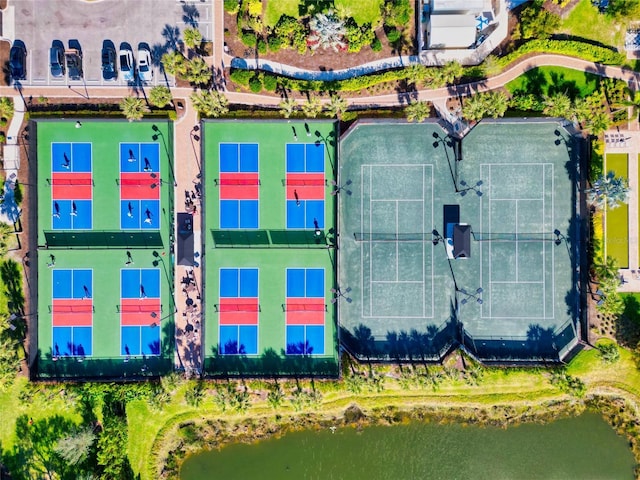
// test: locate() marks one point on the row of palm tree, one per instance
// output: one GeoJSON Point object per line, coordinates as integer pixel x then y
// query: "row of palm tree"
{"type": "Point", "coordinates": [336, 107]}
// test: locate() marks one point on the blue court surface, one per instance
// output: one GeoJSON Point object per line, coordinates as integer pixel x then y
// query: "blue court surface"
{"type": "Point", "coordinates": [140, 283]}
{"type": "Point", "coordinates": [305, 339]}
{"type": "Point", "coordinates": [139, 157]}
{"type": "Point", "coordinates": [71, 157]}
{"type": "Point", "coordinates": [68, 284]}
{"type": "Point", "coordinates": [72, 215]}
{"type": "Point", "coordinates": [140, 214]}
{"type": "Point", "coordinates": [239, 339]}
{"type": "Point", "coordinates": [238, 157]}
{"type": "Point", "coordinates": [305, 214]}
{"type": "Point", "coordinates": [140, 340]}
{"type": "Point", "coordinates": [72, 341]}
{"type": "Point", "coordinates": [305, 158]}
{"type": "Point", "coordinates": [239, 214]}
{"type": "Point", "coordinates": [238, 282]}
{"type": "Point", "coordinates": [305, 282]}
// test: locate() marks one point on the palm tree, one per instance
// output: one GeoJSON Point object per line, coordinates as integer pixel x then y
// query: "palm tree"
{"type": "Point", "coordinates": [198, 72]}
{"type": "Point", "coordinates": [488, 104]}
{"type": "Point", "coordinates": [326, 30]}
{"type": "Point", "coordinates": [210, 103]}
{"type": "Point", "coordinates": [288, 107]}
{"type": "Point", "coordinates": [609, 190]}
{"type": "Point", "coordinates": [558, 105]}
{"type": "Point", "coordinates": [451, 71]}
{"type": "Point", "coordinates": [133, 108]}
{"type": "Point", "coordinates": [160, 96]}
{"type": "Point", "coordinates": [606, 268]}
{"type": "Point", "coordinates": [491, 66]}
{"type": "Point", "coordinates": [312, 107]}
{"type": "Point", "coordinates": [336, 106]}
{"type": "Point", "coordinates": [174, 63]}
{"type": "Point", "coordinates": [417, 111]}
{"type": "Point", "coordinates": [416, 74]}
{"type": "Point", "coordinates": [192, 37]}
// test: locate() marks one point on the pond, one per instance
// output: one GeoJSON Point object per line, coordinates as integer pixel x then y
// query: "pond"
{"type": "Point", "coordinates": [583, 447]}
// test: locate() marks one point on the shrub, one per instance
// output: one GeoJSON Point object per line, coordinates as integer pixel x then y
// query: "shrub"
{"type": "Point", "coordinates": [275, 43]}
{"type": "Point", "coordinates": [376, 45]}
{"type": "Point", "coordinates": [248, 38]}
{"type": "Point", "coordinates": [173, 115]}
{"type": "Point", "coordinates": [241, 76]}
{"type": "Point", "coordinates": [262, 46]}
{"type": "Point", "coordinates": [231, 6]}
{"type": "Point", "coordinates": [358, 36]}
{"type": "Point", "coordinates": [609, 352]}
{"type": "Point", "coordinates": [255, 84]}
{"type": "Point", "coordinates": [270, 83]}
{"type": "Point", "coordinates": [393, 35]}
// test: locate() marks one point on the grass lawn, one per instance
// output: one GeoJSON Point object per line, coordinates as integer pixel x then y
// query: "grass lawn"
{"type": "Point", "coordinates": [552, 80]}
{"type": "Point", "coordinates": [617, 220]}
{"type": "Point", "coordinates": [276, 8]}
{"type": "Point", "coordinates": [361, 11]}
{"type": "Point", "coordinates": [584, 21]}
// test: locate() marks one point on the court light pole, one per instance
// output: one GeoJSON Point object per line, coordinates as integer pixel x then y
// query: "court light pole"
{"type": "Point", "coordinates": [447, 143]}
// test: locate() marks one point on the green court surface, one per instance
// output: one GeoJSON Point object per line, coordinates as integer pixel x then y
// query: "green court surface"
{"type": "Point", "coordinates": [616, 220]}
{"type": "Point", "coordinates": [252, 223]}
{"type": "Point", "coordinates": [92, 255]}
{"type": "Point", "coordinates": [443, 243]}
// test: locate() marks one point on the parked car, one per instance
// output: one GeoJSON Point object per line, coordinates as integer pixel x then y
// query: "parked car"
{"type": "Point", "coordinates": [145, 71]}
{"type": "Point", "coordinates": [127, 66]}
{"type": "Point", "coordinates": [74, 63]}
{"type": "Point", "coordinates": [56, 59]}
{"type": "Point", "coordinates": [109, 68]}
{"type": "Point", "coordinates": [18, 62]}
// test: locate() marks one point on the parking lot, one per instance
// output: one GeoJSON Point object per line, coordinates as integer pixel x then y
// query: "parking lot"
{"type": "Point", "coordinates": [157, 22]}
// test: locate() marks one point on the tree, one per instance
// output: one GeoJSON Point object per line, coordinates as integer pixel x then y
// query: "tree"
{"type": "Point", "coordinates": [416, 74]}
{"type": "Point", "coordinates": [488, 104]}
{"type": "Point", "coordinates": [609, 190]}
{"type": "Point", "coordinates": [623, 9]}
{"type": "Point", "coordinates": [609, 352]}
{"type": "Point", "coordinates": [538, 22]}
{"type": "Point", "coordinates": [418, 111]}
{"type": "Point", "coordinates": [337, 106]}
{"type": "Point", "coordinates": [288, 107]}
{"type": "Point", "coordinates": [558, 105]}
{"type": "Point", "coordinates": [312, 107]}
{"type": "Point", "coordinates": [174, 63]}
{"type": "Point", "coordinates": [397, 13]}
{"type": "Point", "coordinates": [326, 30]}
{"type": "Point", "coordinates": [198, 72]}
{"type": "Point", "coordinates": [491, 66]}
{"type": "Point", "coordinates": [210, 103]}
{"type": "Point", "coordinates": [612, 303]}
{"type": "Point", "coordinates": [606, 268]}
{"type": "Point", "coordinates": [160, 96]}
{"type": "Point", "coordinates": [133, 108]}
{"type": "Point", "coordinates": [451, 71]}
{"type": "Point", "coordinates": [192, 37]}
{"type": "Point", "coordinates": [75, 448]}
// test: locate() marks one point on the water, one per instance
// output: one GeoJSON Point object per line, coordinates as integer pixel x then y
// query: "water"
{"type": "Point", "coordinates": [583, 447]}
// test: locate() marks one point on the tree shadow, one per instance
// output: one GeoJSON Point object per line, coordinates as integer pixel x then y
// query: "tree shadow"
{"type": "Point", "coordinates": [534, 82]}
{"type": "Point", "coordinates": [628, 325]}
{"type": "Point", "coordinates": [190, 15]}
{"type": "Point", "coordinates": [171, 35]}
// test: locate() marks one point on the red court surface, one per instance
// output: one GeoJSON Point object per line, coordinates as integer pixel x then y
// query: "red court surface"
{"type": "Point", "coordinates": [139, 186]}
{"type": "Point", "coordinates": [308, 186]}
{"type": "Point", "coordinates": [72, 312]}
{"type": "Point", "coordinates": [138, 311]}
{"type": "Point", "coordinates": [239, 186]}
{"type": "Point", "coordinates": [305, 311]}
{"type": "Point", "coordinates": [238, 311]}
{"type": "Point", "coordinates": [71, 186]}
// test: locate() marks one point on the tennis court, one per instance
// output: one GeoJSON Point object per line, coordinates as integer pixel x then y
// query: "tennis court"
{"type": "Point", "coordinates": [268, 271]}
{"type": "Point", "coordinates": [104, 295]}
{"type": "Point", "coordinates": [445, 243]}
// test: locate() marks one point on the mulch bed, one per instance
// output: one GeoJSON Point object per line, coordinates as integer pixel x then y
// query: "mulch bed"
{"type": "Point", "coordinates": [321, 60]}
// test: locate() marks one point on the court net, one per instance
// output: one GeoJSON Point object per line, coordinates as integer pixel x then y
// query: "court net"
{"type": "Point", "coordinates": [299, 182]}
{"type": "Point", "coordinates": [477, 236]}
{"type": "Point", "coordinates": [71, 309]}
{"type": "Point", "coordinates": [236, 181]}
{"type": "Point", "coordinates": [304, 307]}
{"type": "Point", "coordinates": [237, 307]}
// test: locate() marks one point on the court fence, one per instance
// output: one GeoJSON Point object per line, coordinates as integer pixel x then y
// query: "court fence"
{"type": "Point", "coordinates": [477, 236]}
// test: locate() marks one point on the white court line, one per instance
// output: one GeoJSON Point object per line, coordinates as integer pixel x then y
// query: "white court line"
{"type": "Point", "coordinates": [397, 200]}
{"type": "Point", "coordinates": [370, 231]}
{"type": "Point", "coordinates": [518, 282]}
{"type": "Point", "coordinates": [397, 243]}
{"type": "Point", "coordinates": [394, 282]}
{"type": "Point", "coordinates": [516, 242]}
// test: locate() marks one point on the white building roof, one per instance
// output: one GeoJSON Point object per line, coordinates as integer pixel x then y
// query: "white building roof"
{"type": "Point", "coordinates": [457, 6]}
{"type": "Point", "coordinates": [451, 31]}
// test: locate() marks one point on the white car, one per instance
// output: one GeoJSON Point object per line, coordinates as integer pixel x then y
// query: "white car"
{"type": "Point", "coordinates": [145, 70]}
{"type": "Point", "coordinates": [127, 67]}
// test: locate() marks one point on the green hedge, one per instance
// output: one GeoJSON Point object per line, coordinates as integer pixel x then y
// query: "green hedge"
{"type": "Point", "coordinates": [585, 51]}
